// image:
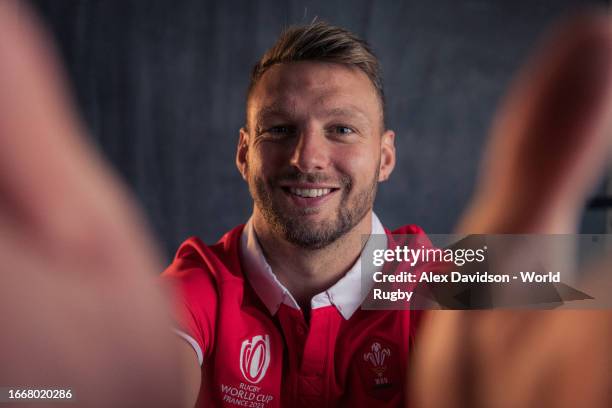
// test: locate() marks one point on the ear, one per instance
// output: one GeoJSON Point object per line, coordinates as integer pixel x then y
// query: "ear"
{"type": "Point", "coordinates": [387, 155]}
{"type": "Point", "coordinates": [242, 153]}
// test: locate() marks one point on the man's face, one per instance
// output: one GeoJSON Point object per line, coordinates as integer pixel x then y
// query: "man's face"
{"type": "Point", "coordinates": [314, 150]}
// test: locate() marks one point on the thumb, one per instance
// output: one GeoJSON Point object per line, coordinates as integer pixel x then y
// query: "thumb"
{"type": "Point", "coordinates": [549, 141]}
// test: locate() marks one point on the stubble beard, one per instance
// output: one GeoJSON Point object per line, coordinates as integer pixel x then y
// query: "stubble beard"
{"type": "Point", "coordinates": [305, 234]}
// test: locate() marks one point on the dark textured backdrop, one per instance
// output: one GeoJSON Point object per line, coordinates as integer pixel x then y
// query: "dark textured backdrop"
{"type": "Point", "coordinates": [161, 85]}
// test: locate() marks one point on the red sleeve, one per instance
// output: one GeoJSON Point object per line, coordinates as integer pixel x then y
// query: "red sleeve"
{"type": "Point", "coordinates": [195, 297]}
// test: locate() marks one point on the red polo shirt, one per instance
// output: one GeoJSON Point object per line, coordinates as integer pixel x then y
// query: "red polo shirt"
{"type": "Point", "coordinates": [256, 349]}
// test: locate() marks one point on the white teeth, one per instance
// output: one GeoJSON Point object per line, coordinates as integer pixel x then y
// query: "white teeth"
{"type": "Point", "coordinates": [310, 192]}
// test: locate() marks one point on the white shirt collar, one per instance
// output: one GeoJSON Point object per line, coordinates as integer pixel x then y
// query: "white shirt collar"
{"type": "Point", "coordinates": [346, 294]}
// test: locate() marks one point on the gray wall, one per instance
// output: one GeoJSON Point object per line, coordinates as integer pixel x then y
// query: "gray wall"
{"type": "Point", "coordinates": [161, 85]}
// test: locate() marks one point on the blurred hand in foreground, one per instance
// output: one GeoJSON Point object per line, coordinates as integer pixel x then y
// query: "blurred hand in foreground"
{"type": "Point", "coordinates": [79, 304]}
{"type": "Point", "coordinates": [549, 144]}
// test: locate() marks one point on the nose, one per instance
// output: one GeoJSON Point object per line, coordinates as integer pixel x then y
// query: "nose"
{"type": "Point", "coordinates": [310, 152]}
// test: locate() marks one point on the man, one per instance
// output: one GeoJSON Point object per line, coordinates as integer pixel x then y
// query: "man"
{"type": "Point", "coordinates": [272, 311]}
{"type": "Point", "coordinates": [77, 303]}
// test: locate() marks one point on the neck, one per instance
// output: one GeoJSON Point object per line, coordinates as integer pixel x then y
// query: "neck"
{"type": "Point", "coordinates": [306, 272]}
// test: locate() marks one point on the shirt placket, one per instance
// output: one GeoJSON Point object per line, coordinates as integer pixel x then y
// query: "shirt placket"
{"type": "Point", "coordinates": [311, 344]}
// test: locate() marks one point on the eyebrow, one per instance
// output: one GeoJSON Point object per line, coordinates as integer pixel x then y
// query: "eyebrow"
{"type": "Point", "coordinates": [346, 111]}
{"type": "Point", "coordinates": [273, 110]}
{"type": "Point", "coordinates": [281, 110]}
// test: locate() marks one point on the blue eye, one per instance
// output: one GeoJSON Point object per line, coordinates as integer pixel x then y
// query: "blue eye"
{"type": "Point", "coordinates": [342, 130]}
{"type": "Point", "coordinates": [280, 130]}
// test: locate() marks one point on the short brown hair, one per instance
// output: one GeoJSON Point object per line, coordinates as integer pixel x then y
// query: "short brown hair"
{"type": "Point", "coordinates": [320, 41]}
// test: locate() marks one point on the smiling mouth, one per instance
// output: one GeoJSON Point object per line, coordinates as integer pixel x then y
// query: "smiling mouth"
{"type": "Point", "coordinates": [309, 192]}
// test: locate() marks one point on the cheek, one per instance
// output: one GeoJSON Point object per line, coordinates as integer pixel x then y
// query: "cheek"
{"type": "Point", "coordinates": [359, 162]}
{"type": "Point", "coordinates": [265, 161]}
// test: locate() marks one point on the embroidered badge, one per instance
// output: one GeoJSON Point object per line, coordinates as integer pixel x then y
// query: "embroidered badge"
{"type": "Point", "coordinates": [376, 357]}
{"type": "Point", "coordinates": [255, 358]}
{"type": "Point", "coordinates": [379, 368]}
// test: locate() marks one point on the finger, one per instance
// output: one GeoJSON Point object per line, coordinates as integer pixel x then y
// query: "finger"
{"type": "Point", "coordinates": [51, 180]}
{"type": "Point", "coordinates": [549, 141]}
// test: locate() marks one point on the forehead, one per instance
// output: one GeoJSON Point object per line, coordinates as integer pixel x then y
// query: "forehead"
{"type": "Point", "coordinates": [308, 86]}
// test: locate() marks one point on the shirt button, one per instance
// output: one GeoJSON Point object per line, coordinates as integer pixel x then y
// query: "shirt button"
{"type": "Point", "coordinates": [300, 330]}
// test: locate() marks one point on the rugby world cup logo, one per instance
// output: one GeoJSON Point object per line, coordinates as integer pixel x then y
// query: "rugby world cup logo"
{"type": "Point", "coordinates": [255, 358]}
